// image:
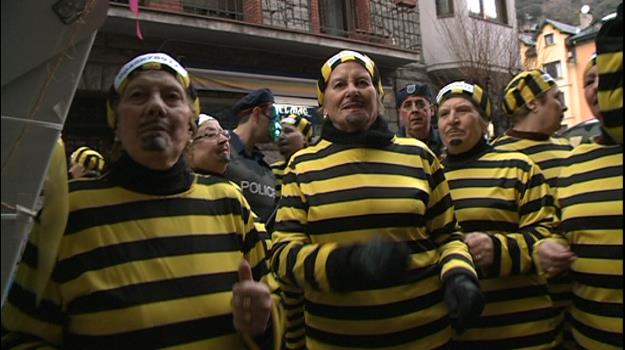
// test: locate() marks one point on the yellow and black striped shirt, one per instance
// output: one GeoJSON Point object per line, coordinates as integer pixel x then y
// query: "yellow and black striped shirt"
{"type": "Point", "coordinates": [504, 194]}
{"type": "Point", "coordinates": [547, 152]}
{"type": "Point", "coordinates": [590, 195]}
{"type": "Point", "coordinates": [337, 194]}
{"type": "Point", "coordinates": [277, 169]}
{"type": "Point", "coordinates": [141, 270]}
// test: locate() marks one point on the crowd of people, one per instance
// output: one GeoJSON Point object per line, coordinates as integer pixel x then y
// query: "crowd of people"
{"type": "Point", "coordinates": [435, 238]}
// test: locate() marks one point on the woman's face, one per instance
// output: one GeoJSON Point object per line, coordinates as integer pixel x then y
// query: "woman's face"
{"type": "Point", "coordinates": [154, 119]}
{"type": "Point", "coordinates": [591, 87]}
{"type": "Point", "coordinates": [351, 99]}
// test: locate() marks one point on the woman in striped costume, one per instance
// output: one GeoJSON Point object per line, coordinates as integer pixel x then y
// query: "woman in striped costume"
{"type": "Point", "coordinates": [365, 227]}
{"type": "Point", "coordinates": [151, 253]}
{"type": "Point", "coordinates": [590, 194]}
{"type": "Point", "coordinates": [503, 206]}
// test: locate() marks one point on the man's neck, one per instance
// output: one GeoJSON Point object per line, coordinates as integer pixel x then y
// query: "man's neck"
{"type": "Point", "coordinates": [246, 136]}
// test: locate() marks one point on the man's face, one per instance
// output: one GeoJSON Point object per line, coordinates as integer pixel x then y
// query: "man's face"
{"type": "Point", "coordinates": [351, 99]}
{"type": "Point", "coordinates": [460, 125]}
{"type": "Point", "coordinates": [552, 111]}
{"type": "Point", "coordinates": [211, 149]}
{"type": "Point", "coordinates": [291, 140]}
{"type": "Point", "coordinates": [154, 119]}
{"type": "Point", "coordinates": [415, 113]}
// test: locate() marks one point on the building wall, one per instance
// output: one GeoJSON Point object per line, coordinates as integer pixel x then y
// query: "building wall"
{"type": "Point", "coordinates": [558, 53]}
{"type": "Point", "coordinates": [435, 33]}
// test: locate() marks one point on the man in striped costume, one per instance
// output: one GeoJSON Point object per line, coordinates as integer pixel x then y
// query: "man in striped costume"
{"type": "Point", "coordinates": [86, 162]}
{"type": "Point", "coordinates": [590, 195]}
{"type": "Point", "coordinates": [297, 133]}
{"type": "Point", "coordinates": [534, 102]}
{"type": "Point", "coordinates": [503, 206]}
{"type": "Point", "coordinates": [151, 253]}
{"type": "Point", "coordinates": [365, 227]}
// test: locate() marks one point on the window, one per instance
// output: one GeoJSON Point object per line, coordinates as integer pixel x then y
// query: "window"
{"type": "Point", "coordinates": [492, 10]}
{"type": "Point", "coordinates": [337, 17]}
{"type": "Point", "coordinates": [550, 39]}
{"type": "Point", "coordinates": [444, 8]}
{"type": "Point", "coordinates": [554, 69]}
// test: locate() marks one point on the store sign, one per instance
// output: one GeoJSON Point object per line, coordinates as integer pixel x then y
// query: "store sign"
{"type": "Point", "coordinates": [304, 111]}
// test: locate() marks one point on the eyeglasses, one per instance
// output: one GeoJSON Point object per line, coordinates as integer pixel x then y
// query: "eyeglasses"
{"type": "Point", "coordinates": [420, 104]}
{"type": "Point", "coordinates": [212, 135]}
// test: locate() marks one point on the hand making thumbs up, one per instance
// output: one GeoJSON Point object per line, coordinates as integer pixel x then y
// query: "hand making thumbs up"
{"type": "Point", "coordinates": [251, 303]}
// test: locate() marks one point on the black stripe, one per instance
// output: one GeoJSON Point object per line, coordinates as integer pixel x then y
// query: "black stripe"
{"type": "Point", "coordinates": [598, 280]}
{"type": "Point", "coordinates": [550, 163]}
{"type": "Point", "coordinates": [210, 180]}
{"type": "Point", "coordinates": [250, 241]}
{"type": "Point", "coordinates": [612, 118]}
{"type": "Point", "coordinates": [515, 255]}
{"type": "Point", "coordinates": [609, 222]}
{"type": "Point", "coordinates": [291, 261]}
{"type": "Point", "coordinates": [489, 203]}
{"type": "Point", "coordinates": [592, 155]}
{"type": "Point", "coordinates": [519, 100]}
{"type": "Point", "coordinates": [460, 257]}
{"type": "Point", "coordinates": [378, 340]}
{"type": "Point", "coordinates": [309, 268]}
{"type": "Point", "coordinates": [600, 308]}
{"type": "Point", "coordinates": [513, 318]}
{"type": "Point", "coordinates": [156, 337]}
{"type": "Point", "coordinates": [600, 336]}
{"type": "Point", "coordinates": [522, 342]}
{"type": "Point", "coordinates": [421, 246]}
{"type": "Point", "coordinates": [496, 267]}
{"type": "Point", "coordinates": [332, 148]}
{"type": "Point", "coordinates": [361, 168]}
{"type": "Point", "coordinates": [374, 312]}
{"type": "Point", "coordinates": [292, 202]}
{"type": "Point", "coordinates": [151, 292]}
{"type": "Point", "coordinates": [597, 174]}
{"type": "Point", "coordinates": [103, 257]}
{"type": "Point", "coordinates": [598, 251]}
{"type": "Point", "coordinates": [533, 85]}
{"type": "Point", "coordinates": [488, 225]}
{"type": "Point", "coordinates": [518, 293]}
{"type": "Point", "coordinates": [89, 184]}
{"type": "Point", "coordinates": [440, 207]}
{"type": "Point", "coordinates": [450, 231]}
{"type": "Point", "coordinates": [535, 205]}
{"type": "Point", "coordinates": [498, 164]}
{"type": "Point", "coordinates": [260, 270]}
{"type": "Point", "coordinates": [592, 197]}
{"type": "Point", "coordinates": [289, 226]}
{"type": "Point", "coordinates": [30, 256]}
{"type": "Point", "coordinates": [610, 81]}
{"type": "Point", "coordinates": [545, 147]}
{"type": "Point", "coordinates": [367, 193]}
{"type": "Point", "coordinates": [486, 183]}
{"type": "Point", "coordinates": [46, 311]}
{"type": "Point", "coordinates": [154, 208]}
{"type": "Point", "coordinates": [368, 221]}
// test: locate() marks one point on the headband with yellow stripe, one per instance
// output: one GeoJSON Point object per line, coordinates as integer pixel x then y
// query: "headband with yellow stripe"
{"type": "Point", "coordinates": [88, 158]}
{"type": "Point", "coordinates": [301, 123]}
{"type": "Point", "coordinates": [342, 57]}
{"type": "Point", "coordinates": [471, 91]}
{"type": "Point", "coordinates": [524, 88]}
{"type": "Point", "coordinates": [149, 61]}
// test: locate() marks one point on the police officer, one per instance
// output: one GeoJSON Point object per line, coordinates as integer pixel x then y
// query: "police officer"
{"type": "Point", "coordinates": [416, 110]}
{"type": "Point", "coordinates": [258, 123]}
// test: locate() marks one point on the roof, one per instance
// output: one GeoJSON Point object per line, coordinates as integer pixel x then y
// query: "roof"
{"type": "Point", "coordinates": [527, 39]}
{"type": "Point", "coordinates": [562, 27]}
{"type": "Point", "coordinates": [585, 34]}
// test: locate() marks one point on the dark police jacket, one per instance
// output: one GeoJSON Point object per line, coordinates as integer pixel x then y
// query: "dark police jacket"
{"type": "Point", "coordinates": [253, 175]}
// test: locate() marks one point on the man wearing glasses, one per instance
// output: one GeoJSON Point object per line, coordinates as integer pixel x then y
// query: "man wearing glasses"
{"type": "Point", "coordinates": [258, 123]}
{"type": "Point", "coordinates": [209, 153]}
{"type": "Point", "coordinates": [415, 106]}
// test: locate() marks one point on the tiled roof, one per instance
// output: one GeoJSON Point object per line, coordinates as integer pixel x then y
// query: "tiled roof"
{"type": "Point", "coordinates": [563, 27]}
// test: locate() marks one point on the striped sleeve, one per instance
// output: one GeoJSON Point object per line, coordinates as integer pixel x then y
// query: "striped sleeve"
{"type": "Point", "coordinates": [537, 220]}
{"type": "Point", "coordinates": [443, 227]}
{"type": "Point", "coordinates": [297, 262]}
{"type": "Point", "coordinates": [26, 324]}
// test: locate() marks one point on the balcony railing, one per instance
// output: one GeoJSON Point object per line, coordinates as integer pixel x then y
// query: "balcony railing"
{"type": "Point", "coordinates": [385, 22]}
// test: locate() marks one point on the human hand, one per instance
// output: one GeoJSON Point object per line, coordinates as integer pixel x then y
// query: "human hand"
{"type": "Point", "coordinates": [481, 248]}
{"type": "Point", "coordinates": [554, 257]}
{"type": "Point", "coordinates": [251, 303]}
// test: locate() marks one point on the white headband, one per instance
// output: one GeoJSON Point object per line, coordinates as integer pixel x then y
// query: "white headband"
{"type": "Point", "coordinates": [148, 58]}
